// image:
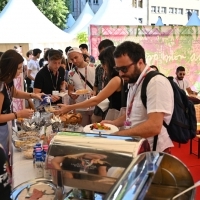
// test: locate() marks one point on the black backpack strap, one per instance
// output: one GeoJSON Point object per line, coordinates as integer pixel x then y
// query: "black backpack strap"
{"type": "Point", "coordinates": [147, 78]}
{"type": "Point", "coordinates": [155, 139]}
{"type": "Point", "coordinates": [87, 82]}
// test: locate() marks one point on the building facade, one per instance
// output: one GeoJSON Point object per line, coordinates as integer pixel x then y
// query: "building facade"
{"type": "Point", "coordinates": [78, 5]}
{"type": "Point", "coordinates": [172, 12]}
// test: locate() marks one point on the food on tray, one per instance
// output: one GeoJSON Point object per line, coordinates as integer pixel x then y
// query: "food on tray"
{"type": "Point", "coordinates": [71, 118]}
{"type": "Point", "coordinates": [99, 126]}
{"type": "Point", "coordinates": [38, 191]}
{"type": "Point", "coordinates": [26, 142]}
{"type": "Point", "coordinates": [83, 91]}
{"type": "Point", "coordinates": [21, 134]}
{"type": "Point", "coordinates": [55, 119]}
{"type": "Point", "coordinates": [20, 120]}
{"type": "Point", "coordinates": [51, 108]}
{"type": "Point", "coordinates": [28, 153]}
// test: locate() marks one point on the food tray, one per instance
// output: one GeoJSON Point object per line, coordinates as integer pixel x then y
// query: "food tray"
{"type": "Point", "coordinates": [43, 185]}
{"type": "Point", "coordinates": [24, 142]}
{"type": "Point", "coordinates": [22, 134]}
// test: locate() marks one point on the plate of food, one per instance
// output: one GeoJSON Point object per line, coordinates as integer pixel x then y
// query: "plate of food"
{"type": "Point", "coordinates": [81, 92]}
{"type": "Point", "coordinates": [51, 108]}
{"type": "Point", "coordinates": [100, 127]}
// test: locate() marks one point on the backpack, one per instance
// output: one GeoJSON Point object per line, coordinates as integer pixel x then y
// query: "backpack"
{"type": "Point", "coordinates": [183, 124]}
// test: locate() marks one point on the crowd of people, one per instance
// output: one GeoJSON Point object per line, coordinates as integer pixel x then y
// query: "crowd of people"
{"type": "Point", "coordinates": [118, 78]}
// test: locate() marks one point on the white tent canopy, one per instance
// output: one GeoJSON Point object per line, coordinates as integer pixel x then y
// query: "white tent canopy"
{"type": "Point", "coordinates": [22, 22]}
{"type": "Point", "coordinates": [70, 22]}
{"type": "Point", "coordinates": [83, 19]}
{"type": "Point", "coordinates": [113, 12]}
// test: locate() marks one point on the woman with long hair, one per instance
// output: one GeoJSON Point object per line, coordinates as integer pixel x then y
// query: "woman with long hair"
{"type": "Point", "coordinates": [113, 90]}
{"type": "Point", "coordinates": [11, 66]}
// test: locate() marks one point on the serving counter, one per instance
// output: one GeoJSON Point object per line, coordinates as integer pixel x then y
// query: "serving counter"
{"type": "Point", "coordinates": [23, 169]}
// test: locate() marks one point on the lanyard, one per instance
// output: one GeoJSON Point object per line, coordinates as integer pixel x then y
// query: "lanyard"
{"type": "Point", "coordinates": [10, 97]}
{"type": "Point", "coordinates": [84, 82]}
{"type": "Point", "coordinates": [135, 87]}
{"type": "Point", "coordinates": [57, 73]}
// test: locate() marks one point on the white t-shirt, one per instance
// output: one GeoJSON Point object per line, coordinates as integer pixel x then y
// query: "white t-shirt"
{"type": "Point", "coordinates": [78, 83]}
{"type": "Point", "coordinates": [34, 66]}
{"type": "Point", "coordinates": [160, 98]}
{"type": "Point", "coordinates": [183, 84]}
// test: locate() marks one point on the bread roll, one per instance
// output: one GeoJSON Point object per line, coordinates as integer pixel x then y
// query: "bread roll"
{"type": "Point", "coordinates": [83, 91]}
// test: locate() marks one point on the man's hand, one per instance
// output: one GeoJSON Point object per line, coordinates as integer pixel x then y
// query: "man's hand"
{"type": "Point", "coordinates": [63, 109]}
{"type": "Point", "coordinates": [37, 96]}
{"type": "Point", "coordinates": [73, 96]}
{"type": "Point", "coordinates": [55, 98]}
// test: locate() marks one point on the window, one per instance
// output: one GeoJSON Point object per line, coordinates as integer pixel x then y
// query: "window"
{"type": "Point", "coordinates": [171, 10]}
{"type": "Point", "coordinates": [153, 9]}
{"type": "Point", "coordinates": [180, 11]}
{"type": "Point", "coordinates": [158, 9]}
{"type": "Point", "coordinates": [175, 10]}
{"type": "Point", "coordinates": [197, 11]}
{"type": "Point", "coordinates": [163, 10]}
{"type": "Point", "coordinates": [89, 1]}
{"type": "Point", "coordinates": [95, 2]}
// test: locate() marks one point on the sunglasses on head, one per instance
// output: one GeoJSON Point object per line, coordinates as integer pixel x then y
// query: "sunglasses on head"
{"type": "Point", "coordinates": [123, 69]}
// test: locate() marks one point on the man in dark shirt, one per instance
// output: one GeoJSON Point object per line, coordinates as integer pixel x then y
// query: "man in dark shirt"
{"type": "Point", "coordinates": [100, 81]}
{"type": "Point", "coordinates": [51, 77]}
{"type": "Point", "coordinates": [5, 177]}
{"type": "Point", "coordinates": [84, 49]}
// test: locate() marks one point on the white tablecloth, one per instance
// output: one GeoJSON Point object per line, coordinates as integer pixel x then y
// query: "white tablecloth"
{"type": "Point", "coordinates": [22, 169]}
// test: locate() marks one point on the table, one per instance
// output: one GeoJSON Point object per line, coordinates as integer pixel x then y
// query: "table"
{"type": "Point", "coordinates": [22, 169]}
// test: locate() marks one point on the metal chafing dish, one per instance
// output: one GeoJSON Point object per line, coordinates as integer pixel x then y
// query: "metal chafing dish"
{"type": "Point", "coordinates": [109, 167]}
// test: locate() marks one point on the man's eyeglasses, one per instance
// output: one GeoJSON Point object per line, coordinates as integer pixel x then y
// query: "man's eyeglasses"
{"type": "Point", "coordinates": [123, 69]}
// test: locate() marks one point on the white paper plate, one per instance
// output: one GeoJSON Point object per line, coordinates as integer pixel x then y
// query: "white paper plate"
{"type": "Point", "coordinates": [113, 129]}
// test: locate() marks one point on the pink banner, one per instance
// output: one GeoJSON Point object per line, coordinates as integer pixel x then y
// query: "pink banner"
{"type": "Point", "coordinates": [167, 47]}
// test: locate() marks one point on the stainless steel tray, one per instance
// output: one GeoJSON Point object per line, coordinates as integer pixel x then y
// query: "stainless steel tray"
{"type": "Point", "coordinates": [15, 195]}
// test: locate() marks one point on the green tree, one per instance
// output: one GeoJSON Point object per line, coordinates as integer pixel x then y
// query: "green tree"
{"type": "Point", "coordinates": [3, 4]}
{"type": "Point", "coordinates": [82, 37]}
{"type": "Point", "coordinates": [55, 10]}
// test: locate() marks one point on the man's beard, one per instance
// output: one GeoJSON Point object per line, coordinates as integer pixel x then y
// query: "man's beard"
{"type": "Point", "coordinates": [180, 78]}
{"type": "Point", "coordinates": [133, 77]}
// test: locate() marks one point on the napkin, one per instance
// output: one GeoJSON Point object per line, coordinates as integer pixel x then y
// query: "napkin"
{"type": "Point", "coordinates": [104, 104]}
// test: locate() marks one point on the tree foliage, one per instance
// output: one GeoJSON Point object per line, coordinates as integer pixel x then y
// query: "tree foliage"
{"type": "Point", "coordinates": [55, 10]}
{"type": "Point", "coordinates": [82, 37]}
{"type": "Point", "coordinates": [3, 4]}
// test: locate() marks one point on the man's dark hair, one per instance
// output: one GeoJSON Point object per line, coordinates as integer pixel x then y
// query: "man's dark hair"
{"type": "Point", "coordinates": [46, 54]}
{"type": "Point", "coordinates": [28, 53]}
{"type": "Point", "coordinates": [133, 50]}
{"type": "Point", "coordinates": [61, 51]}
{"type": "Point", "coordinates": [67, 49]}
{"type": "Point", "coordinates": [1, 53]}
{"type": "Point", "coordinates": [83, 46]}
{"type": "Point", "coordinates": [180, 68]}
{"type": "Point", "coordinates": [36, 51]}
{"type": "Point", "coordinates": [54, 55]}
{"type": "Point", "coordinates": [105, 43]}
